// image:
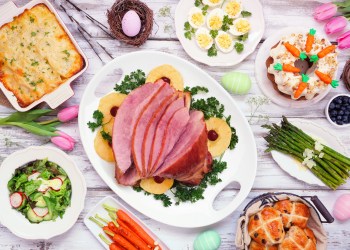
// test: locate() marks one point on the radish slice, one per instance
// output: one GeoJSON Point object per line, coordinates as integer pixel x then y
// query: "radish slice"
{"type": "Point", "coordinates": [16, 199]}
{"type": "Point", "coordinates": [41, 211]}
{"type": "Point", "coordinates": [33, 176]}
{"type": "Point", "coordinates": [56, 184]}
{"type": "Point", "coordinates": [43, 188]}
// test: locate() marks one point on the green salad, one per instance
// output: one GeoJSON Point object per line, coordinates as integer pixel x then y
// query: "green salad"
{"type": "Point", "coordinates": [40, 190]}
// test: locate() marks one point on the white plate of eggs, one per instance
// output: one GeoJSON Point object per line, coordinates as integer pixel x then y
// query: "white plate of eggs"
{"type": "Point", "coordinates": [219, 32]}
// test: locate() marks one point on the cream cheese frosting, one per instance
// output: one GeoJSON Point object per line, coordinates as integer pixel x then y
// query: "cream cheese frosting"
{"type": "Point", "coordinates": [287, 82]}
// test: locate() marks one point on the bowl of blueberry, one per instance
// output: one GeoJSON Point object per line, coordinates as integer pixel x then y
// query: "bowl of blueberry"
{"type": "Point", "coordinates": [338, 110]}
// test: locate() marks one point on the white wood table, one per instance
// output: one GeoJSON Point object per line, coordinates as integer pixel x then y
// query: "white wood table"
{"type": "Point", "coordinates": [100, 48]}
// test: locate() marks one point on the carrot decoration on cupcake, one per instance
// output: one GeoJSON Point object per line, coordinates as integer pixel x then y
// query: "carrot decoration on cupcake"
{"type": "Point", "coordinates": [302, 86]}
{"type": "Point", "coordinates": [310, 40]}
{"type": "Point", "coordinates": [295, 51]}
{"type": "Point", "coordinates": [326, 79]}
{"type": "Point", "coordinates": [286, 68]}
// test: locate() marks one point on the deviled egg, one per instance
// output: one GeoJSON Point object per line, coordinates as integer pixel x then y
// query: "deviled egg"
{"type": "Point", "coordinates": [233, 8]}
{"type": "Point", "coordinates": [203, 38]}
{"type": "Point", "coordinates": [212, 3]}
{"type": "Point", "coordinates": [240, 27]}
{"type": "Point", "coordinates": [196, 17]}
{"type": "Point", "coordinates": [215, 19]}
{"type": "Point", "coordinates": [224, 41]}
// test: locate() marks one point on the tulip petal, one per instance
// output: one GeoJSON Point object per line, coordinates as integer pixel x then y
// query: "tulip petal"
{"type": "Point", "coordinates": [68, 114]}
{"type": "Point", "coordinates": [335, 25]}
{"type": "Point", "coordinates": [344, 40]}
{"type": "Point", "coordinates": [325, 11]}
{"type": "Point", "coordinates": [62, 143]}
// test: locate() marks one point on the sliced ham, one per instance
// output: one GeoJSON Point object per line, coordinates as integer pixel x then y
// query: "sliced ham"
{"type": "Point", "coordinates": [129, 178]}
{"type": "Point", "coordinates": [157, 155]}
{"type": "Point", "coordinates": [164, 93]}
{"type": "Point", "coordinates": [151, 130]}
{"type": "Point", "coordinates": [190, 152]}
{"type": "Point", "coordinates": [125, 121]}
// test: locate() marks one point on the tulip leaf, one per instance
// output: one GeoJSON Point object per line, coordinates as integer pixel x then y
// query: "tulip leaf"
{"type": "Point", "coordinates": [34, 128]}
{"type": "Point", "coordinates": [27, 116]}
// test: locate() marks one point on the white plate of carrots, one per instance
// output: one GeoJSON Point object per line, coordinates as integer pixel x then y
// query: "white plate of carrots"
{"type": "Point", "coordinates": [115, 227]}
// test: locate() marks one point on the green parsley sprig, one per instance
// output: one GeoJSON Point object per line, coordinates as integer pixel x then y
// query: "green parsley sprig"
{"type": "Point", "coordinates": [239, 47]}
{"type": "Point", "coordinates": [212, 51]}
{"type": "Point", "coordinates": [245, 13]}
{"type": "Point", "coordinates": [130, 82]}
{"type": "Point", "coordinates": [195, 90]}
{"type": "Point", "coordinates": [98, 116]}
{"type": "Point", "coordinates": [226, 22]}
{"type": "Point", "coordinates": [189, 30]}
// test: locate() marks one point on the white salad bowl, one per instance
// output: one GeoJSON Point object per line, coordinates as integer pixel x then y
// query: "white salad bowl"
{"type": "Point", "coordinates": [16, 222]}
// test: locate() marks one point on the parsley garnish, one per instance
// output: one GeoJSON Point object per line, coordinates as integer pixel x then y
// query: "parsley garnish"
{"type": "Point", "coordinates": [214, 33]}
{"type": "Point", "coordinates": [131, 82]}
{"type": "Point", "coordinates": [22, 44]}
{"type": "Point", "coordinates": [195, 90]}
{"type": "Point", "coordinates": [66, 52]}
{"type": "Point", "coordinates": [31, 19]}
{"type": "Point", "coordinates": [226, 23]}
{"type": "Point", "coordinates": [197, 3]}
{"type": "Point", "coordinates": [243, 37]}
{"type": "Point", "coordinates": [35, 63]}
{"type": "Point", "coordinates": [212, 51]}
{"type": "Point", "coordinates": [12, 60]}
{"type": "Point", "coordinates": [98, 116]}
{"type": "Point", "coordinates": [189, 31]}
{"type": "Point", "coordinates": [13, 27]}
{"type": "Point", "coordinates": [210, 107]}
{"type": "Point", "coordinates": [205, 9]}
{"type": "Point", "coordinates": [46, 33]}
{"type": "Point", "coordinates": [106, 136]}
{"type": "Point", "coordinates": [33, 34]}
{"type": "Point", "coordinates": [234, 137]}
{"type": "Point", "coordinates": [239, 47]}
{"type": "Point", "coordinates": [245, 13]}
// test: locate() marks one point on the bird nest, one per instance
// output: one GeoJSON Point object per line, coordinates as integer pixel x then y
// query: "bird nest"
{"type": "Point", "coordinates": [116, 14]}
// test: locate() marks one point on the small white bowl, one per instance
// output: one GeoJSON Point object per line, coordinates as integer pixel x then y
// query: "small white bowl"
{"type": "Point", "coordinates": [14, 220]}
{"type": "Point", "coordinates": [327, 113]}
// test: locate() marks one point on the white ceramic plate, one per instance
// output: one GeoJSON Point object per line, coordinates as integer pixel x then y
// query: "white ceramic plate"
{"type": "Point", "coordinates": [266, 85]}
{"type": "Point", "coordinates": [7, 12]}
{"type": "Point", "coordinates": [14, 220]}
{"type": "Point", "coordinates": [98, 209]}
{"type": "Point", "coordinates": [292, 166]}
{"type": "Point", "coordinates": [222, 59]}
{"type": "Point", "coordinates": [242, 162]}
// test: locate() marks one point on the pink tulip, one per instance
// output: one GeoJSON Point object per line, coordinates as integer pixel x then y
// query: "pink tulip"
{"type": "Point", "coordinates": [62, 143]}
{"type": "Point", "coordinates": [344, 40]}
{"type": "Point", "coordinates": [325, 11]}
{"type": "Point", "coordinates": [68, 114]}
{"type": "Point", "coordinates": [335, 25]}
{"type": "Point", "coordinates": [68, 137]}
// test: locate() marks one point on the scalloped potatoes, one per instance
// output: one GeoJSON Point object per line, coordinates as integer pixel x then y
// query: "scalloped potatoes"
{"type": "Point", "coordinates": [36, 55]}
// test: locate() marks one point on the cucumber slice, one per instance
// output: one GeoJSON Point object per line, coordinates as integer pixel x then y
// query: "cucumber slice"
{"type": "Point", "coordinates": [40, 202]}
{"type": "Point", "coordinates": [32, 217]}
{"type": "Point", "coordinates": [48, 217]}
{"type": "Point", "coordinates": [62, 177]}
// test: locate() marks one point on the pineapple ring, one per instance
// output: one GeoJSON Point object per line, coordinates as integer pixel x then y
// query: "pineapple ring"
{"type": "Point", "coordinates": [102, 147]}
{"type": "Point", "coordinates": [151, 186]}
{"type": "Point", "coordinates": [108, 102]}
{"type": "Point", "coordinates": [168, 71]}
{"type": "Point", "coordinates": [219, 146]}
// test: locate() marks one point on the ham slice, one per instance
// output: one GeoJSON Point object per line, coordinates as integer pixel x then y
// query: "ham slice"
{"type": "Point", "coordinates": [190, 152]}
{"type": "Point", "coordinates": [151, 130]}
{"type": "Point", "coordinates": [164, 93]}
{"type": "Point", "coordinates": [129, 178]}
{"type": "Point", "coordinates": [158, 155]}
{"type": "Point", "coordinates": [125, 121]}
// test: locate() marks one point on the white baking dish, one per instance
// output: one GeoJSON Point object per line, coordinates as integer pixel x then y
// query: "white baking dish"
{"type": "Point", "coordinates": [62, 93]}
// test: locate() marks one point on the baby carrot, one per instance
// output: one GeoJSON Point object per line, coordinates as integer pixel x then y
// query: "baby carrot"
{"type": "Point", "coordinates": [112, 246]}
{"type": "Point", "coordinates": [292, 49]}
{"type": "Point", "coordinates": [99, 224]}
{"type": "Point", "coordinates": [121, 241]}
{"type": "Point", "coordinates": [310, 40]}
{"type": "Point", "coordinates": [323, 77]}
{"type": "Point", "coordinates": [326, 51]}
{"type": "Point", "coordinates": [135, 227]}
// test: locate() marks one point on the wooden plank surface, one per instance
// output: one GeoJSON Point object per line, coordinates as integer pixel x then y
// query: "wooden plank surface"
{"type": "Point", "coordinates": [100, 49]}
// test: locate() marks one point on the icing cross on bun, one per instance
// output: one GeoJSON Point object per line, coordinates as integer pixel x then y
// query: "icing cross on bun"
{"type": "Point", "coordinates": [297, 238]}
{"type": "Point", "coordinates": [266, 227]}
{"type": "Point", "coordinates": [318, 53]}
{"type": "Point", "coordinates": [293, 213]}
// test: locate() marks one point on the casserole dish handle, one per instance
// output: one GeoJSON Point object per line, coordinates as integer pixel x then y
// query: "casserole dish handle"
{"type": "Point", "coordinates": [7, 10]}
{"type": "Point", "coordinates": [56, 98]}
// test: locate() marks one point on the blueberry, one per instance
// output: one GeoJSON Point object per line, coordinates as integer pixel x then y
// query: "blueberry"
{"type": "Point", "coordinates": [340, 122]}
{"type": "Point", "coordinates": [345, 120]}
{"type": "Point", "coordinates": [339, 117]}
{"type": "Point", "coordinates": [333, 118]}
{"type": "Point", "coordinates": [341, 112]}
{"type": "Point", "coordinates": [347, 112]}
{"type": "Point", "coordinates": [343, 108]}
{"type": "Point", "coordinates": [339, 101]}
{"type": "Point", "coordinates": [333, 113]}
{"type": "Point", "coordinates": [337, 106]}
{"type": "Point", "coordinates": [331, 106]}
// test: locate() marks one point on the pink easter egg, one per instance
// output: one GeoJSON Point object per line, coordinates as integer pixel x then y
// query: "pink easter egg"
{"type": "Point", "coordinates": [341, 210]}
{"type": "Point", "coordinates": [131, 23]}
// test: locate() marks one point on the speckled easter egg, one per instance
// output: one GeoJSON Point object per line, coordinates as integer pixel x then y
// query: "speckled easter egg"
{"type": "Point", "coordinates": [131, 23]}
{"type": "Point", "coordinates": [208, 240]}
{"type": "Point", "coordinates": [236, 82]}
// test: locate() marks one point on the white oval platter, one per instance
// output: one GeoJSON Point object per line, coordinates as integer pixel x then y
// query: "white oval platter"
{"type": "Point", "coordinates": [242, 162]}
